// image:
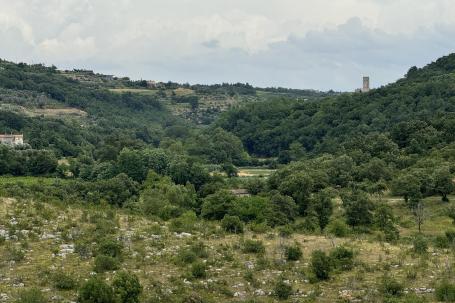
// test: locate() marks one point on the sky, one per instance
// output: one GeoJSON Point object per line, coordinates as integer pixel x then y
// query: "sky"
{"type": "Point", "coordinates": [314, 44]}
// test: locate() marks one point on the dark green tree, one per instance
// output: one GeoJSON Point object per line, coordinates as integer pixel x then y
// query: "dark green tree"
{"type": "Point", "coordinates": [127, 287]}
{"type": "Point", "coordinates": [96, 290]}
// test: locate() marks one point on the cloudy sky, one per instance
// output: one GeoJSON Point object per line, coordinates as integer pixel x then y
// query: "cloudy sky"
{"type": "Point", "coordinates": [321, 44]}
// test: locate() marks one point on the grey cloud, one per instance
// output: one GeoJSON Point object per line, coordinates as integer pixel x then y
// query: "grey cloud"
{"type": "Point", "coordinates": [211, 43]}
{"type": "Point", "coordinates": [291, 43]}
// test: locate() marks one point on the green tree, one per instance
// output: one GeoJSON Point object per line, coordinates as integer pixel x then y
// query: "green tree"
{"type": "Point", "coordinates": [322, 206]}
{"type": "Point", "coordinates": [232, 224]}
{"type": "Point", "coordinates": [127, 287]}
{"type": "Point", "coordinates": [443, 183]}
{"type": "Point", "coordinates": [358, 208]}
{"type": "Point", "coordinates": [96, 290]}
{"type": "Point", "coordinates": [283, 209]}
{"type": "Point", "coordinates": [217, 205]}
{"type": "Point", "coordinates": [321, 265]}
{"type": "Point", "coordinates": [132, 163]}
{"type": "Point", "coordinates": [299, 186]}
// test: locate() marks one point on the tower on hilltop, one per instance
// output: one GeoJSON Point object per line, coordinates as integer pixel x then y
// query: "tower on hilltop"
{"type": "Point", "coordinates": [366, 85]}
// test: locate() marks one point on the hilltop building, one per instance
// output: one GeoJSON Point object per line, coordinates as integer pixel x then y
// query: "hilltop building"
{"type": "Point", "coordinates": [13, 140]}
{"type": "Point", "coordinates": [366, 86]}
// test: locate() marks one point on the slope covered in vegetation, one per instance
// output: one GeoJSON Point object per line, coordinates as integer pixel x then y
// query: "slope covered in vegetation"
{"type": "Point", "coordinates": [146, 207]}
{"type": "Point", "coordinates": [416, 113]}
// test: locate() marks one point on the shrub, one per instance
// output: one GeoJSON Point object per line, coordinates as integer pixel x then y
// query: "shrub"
{"type": "Point", "coordinates": [32, 295]}
{"type": "Point", "coordinates": [338, 228]}
{"type": "Point", "coordinates": [15, 254]}
{"type": "Point", "coordinates": [342, 258]}
{"type": "Point", "coordinates": [321, 265]}
{"type": "Point", "coordinates": [450, 235]}
{"type": "Point", "coordinates": [110, 247]}
{"type": "Point", "coordinates": [96, 290]}
{"type": "Point", "coordinates": [391, 233]}
{"type": "Point", "coordinates": [127, 287]}
{"type": "Point", "coordinates": [232, 224]}
{"type": "Point", "coordinates": [445, 292]}
{"type": "Point", "coordinates": [293, 253]}
{"type": "Point", "coordinates": [420, 245]}
{"type": "Point", "coordinates": [441, 242]}
{"type": "Point", "coordinates": [391, 287]}
{"type": "Point", "coordinates": [105, 263]}
{"type": "Point", "coordinates": [199, 250]}
{"type": "Point", "coordinates": [282, 289]}
{"type": "Point", "coordinates": [63, 281]}
{"type": "Point", "coordinates": [186, 256]}
{"type": "Point", "coordinates": [198, 270]}
{"type": "Point", "coordinates": [254, 247]}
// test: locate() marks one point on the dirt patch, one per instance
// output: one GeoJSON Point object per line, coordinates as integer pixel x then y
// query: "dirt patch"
{"type": "Point", "coordinates": [52, 112]}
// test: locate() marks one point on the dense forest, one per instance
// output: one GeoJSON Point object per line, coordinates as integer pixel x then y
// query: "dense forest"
{"type": "Point", "coordinates": [335, 166]}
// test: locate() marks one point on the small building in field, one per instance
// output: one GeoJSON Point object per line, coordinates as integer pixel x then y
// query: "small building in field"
{"type": "Point", "coordinates": [240, 192]}
{"type": "Point", "coordinates": [12, 140]}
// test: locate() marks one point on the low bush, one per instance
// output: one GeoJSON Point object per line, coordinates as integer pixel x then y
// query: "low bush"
{"type": "Point", "coordinates": [127, 287]}
{"type": "Point", "coordinates": [282, 289]}
{"type": "Point", "coordinates": [186, 256]}
{"type": "Point", "coordinates": [420, 245]}
{"type": "Point", "coordinates": [391, 287]}
{"type": "Point", "coordinates": [63, 281]}
{"type": "Point", "coordinates": [338, 228]}
{"type": "Point", "coordinates": [293, 253]}
{"type": "Point", "coordinates": [105, 263]}
{"type": "Point", "coordinates": [95, 290]}
{"type": "Point", "coordinates": [32, 295]}
{"type": "Point", "coordinates": [198, 270]}
{"type": "Point", "coordinates": [253, 247]}
{"type": "Point", "coordinates": [110, 247]}
{"type": "Point", "coordinates": [321, 265]}
{"type": "Point", "coordinates": [342, 258]}
{"type": "Point", "coordinates": [232, 224]}
{"type": "Point", "coordinates": [445, 292]}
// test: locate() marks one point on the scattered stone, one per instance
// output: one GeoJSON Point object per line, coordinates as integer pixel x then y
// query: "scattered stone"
{"type": "Point", "coordinates": [182, 235]}
{"type": "Point", "coordinates": [239, 294]}
{"type": "Point", "coordinates": [249, 265]}
{"type": "Point", "coordinates": [259, 292]}
{"type": "Point", "coordinates": [3, 297]}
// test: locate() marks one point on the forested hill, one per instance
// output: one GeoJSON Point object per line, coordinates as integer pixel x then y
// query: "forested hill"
{"type": "Point", "coordinates": [68, 116]}
{"type": "Point", "coordinates": [417, 113]}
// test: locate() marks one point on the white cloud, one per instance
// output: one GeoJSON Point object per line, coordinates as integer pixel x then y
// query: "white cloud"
{"type": "Point", "coordinates": [301, 43]}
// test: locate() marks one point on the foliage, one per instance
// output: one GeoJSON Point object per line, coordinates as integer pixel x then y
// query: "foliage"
{"type": "Point", "coordinates": [391, 287]}
{"type": "Point", "coordinates": [420, 245]}
{"type": "Point", "coordinates": [358, 208]}
{"type": "Point", "coordinates": [232, 224]}
{"type": "Point", "coordinates": [96, 290]}
{"type": "Point", "coordinates": [321, 265]}
{"type": "Point", "coordinates": [293, 253]}
{"type": "Point", "coordinates": [32, 295]}
{"type": "Point", "coordinates": [127, 287]}
{"type": "Point", "coordinates": [282, 289]}
{"type": "Point", "coordinates": [445, 292]}
{"type": "Point", "coordinates": [342, 258]}
{"type": "Point", "coordinates": [105, 263]}
{"type": "Point", "coordinates": [253, 246]}
{"type": "Point", "coordinates": [63, 281]}
{"type": "Point", "coordinates": [198, 270]}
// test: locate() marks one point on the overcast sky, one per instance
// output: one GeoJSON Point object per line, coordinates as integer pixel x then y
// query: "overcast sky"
{"type": "Point", "coordinates": [320, 44]}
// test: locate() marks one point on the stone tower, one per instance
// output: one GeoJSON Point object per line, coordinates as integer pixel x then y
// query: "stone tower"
{"type": "Point", "coordinates": [366, 84]}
